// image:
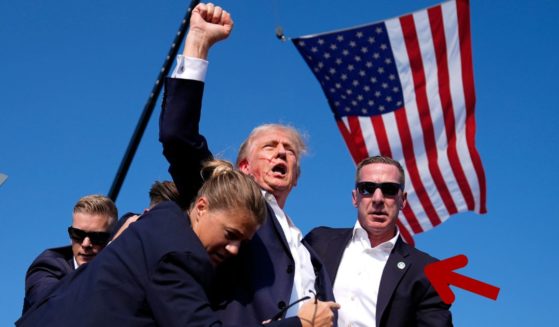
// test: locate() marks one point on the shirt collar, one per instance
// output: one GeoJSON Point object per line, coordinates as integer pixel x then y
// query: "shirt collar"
{"type": "Point", "coordinates": [360, 235]}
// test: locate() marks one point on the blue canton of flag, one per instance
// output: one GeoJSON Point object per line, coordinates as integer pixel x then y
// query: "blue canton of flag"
{"type": "Point", "coordinates": [356, 69]}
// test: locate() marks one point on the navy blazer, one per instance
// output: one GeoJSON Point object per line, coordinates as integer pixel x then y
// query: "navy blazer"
{"type": "Point", "coordinates": [257, 284]}
{"type": "Point", "coordinates": [156, 273]}
{"type": "Point", "coordinates": [45, 272]}
{"type": "Point", "coordinates": [406, 297]}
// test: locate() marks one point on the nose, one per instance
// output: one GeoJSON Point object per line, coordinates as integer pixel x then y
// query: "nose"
{"type": "Point", "coordinates": [86, 243]}
{"type": "Point", "coordinates": [233, 247]}
{"type": "Point", "coordinates": [378, 197]}
{"type": "Point", "coordinates": [282, 153]}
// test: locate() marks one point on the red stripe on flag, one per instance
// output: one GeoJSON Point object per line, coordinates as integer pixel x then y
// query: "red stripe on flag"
{"type": "Point", "coordinates": [439, 41]}
{"type": "Point", "coordinates": [347, 138]}
{"type": "Point", "coordinates": [409, 159]}
{"type": "Point", "coordinates": [463, 10]}
{"type": "Point", "coordinates": [418, 73]}
{"type": "Point", "coordinates": [380, 134]}
{"type": "Point", "coordinates": [353, 138]}
{"type": "Point", "coordinates": [406, 235]}
{"type": "Point", "coordinates": [412, 220]}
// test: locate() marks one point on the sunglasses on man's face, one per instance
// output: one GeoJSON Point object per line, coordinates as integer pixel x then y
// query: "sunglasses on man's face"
{"type": "Point", "coordinates": [97, 238]}
{"type": "Point", "coordinates": [368, 188]}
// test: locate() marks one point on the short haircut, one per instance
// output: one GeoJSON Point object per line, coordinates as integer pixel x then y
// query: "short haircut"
{"type": "Point", "coordinates": [382, 160]}
{"type": "Point", "coordinates": [297, 138]}
{"type": "Point", "coordinates": [98, 204]}
{"type": "Point", "coordinates": [226, 188]}
{"type": "Point", "coordinates": [162, 191]}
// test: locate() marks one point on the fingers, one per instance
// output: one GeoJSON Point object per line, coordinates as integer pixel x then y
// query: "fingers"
{"type": "Point", "coordinates": [226, 20]}
{"type": "Point", "coordinates": [333, 305]}
{"type": "Point", "coordinates": [216, 15]}
{"type": "Point", "coordinates": [213, 14]}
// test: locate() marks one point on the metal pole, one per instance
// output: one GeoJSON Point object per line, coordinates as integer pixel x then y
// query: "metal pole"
{"type": "Point", "coordinates": [150, 105]}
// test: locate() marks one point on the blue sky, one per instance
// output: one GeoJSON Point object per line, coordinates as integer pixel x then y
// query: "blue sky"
{"type": "Point", "coordinates": [75, 76]}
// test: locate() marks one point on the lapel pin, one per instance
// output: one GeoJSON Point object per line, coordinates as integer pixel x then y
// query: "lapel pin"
{"type": "Point", "coordinates": [401, 265]}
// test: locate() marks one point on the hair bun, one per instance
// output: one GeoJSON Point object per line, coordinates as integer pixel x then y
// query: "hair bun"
{"type": "Point", "coordinates": [214, 168]}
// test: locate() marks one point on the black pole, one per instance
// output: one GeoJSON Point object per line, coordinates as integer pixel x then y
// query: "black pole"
{"type": "Point", "coordinates": [150, 105]}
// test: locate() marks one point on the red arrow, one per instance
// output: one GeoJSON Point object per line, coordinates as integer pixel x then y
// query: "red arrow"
{"type": "Point", "coordinates": [441, 276]}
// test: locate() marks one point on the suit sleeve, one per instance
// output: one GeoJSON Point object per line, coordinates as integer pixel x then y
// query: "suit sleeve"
{"type": "Point", "coordinates": [41, 277]}
{"type": "Point", "coordinates": [176, 297]}
{"type": "Point", "coordinates": [183, 146]}
{"type": "Point", "coordinates": [432, 311]}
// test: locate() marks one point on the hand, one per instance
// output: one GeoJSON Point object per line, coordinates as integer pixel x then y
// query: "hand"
{"type": "Point", "coordinates": [124, 226]}
{"type": "Point", "coordinates": [317, 314]}
{"type": "Point", "coordinates": [208, 24]}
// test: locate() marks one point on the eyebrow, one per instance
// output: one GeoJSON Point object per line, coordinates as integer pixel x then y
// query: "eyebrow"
{"type": "Point", "coordinates": [237, 233]}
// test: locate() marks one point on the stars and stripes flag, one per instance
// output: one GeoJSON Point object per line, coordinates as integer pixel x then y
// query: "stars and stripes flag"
{"type": "Point", "coordinates": [404, 88]}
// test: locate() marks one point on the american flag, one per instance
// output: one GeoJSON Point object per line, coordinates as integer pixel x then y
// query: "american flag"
{"type": "Point", "coordinates": [404, 88]}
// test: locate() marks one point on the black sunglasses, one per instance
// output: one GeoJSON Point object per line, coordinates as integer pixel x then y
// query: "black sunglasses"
{"type": "Point", "coordinates": [97, 238]}
{"type": "Point", "coordinates": [388, 188]}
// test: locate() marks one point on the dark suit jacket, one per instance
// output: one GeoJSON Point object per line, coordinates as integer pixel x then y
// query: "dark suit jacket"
{"type": "Point", "coordinates": [406, 297]}
{"type": "Point", "coordinates": [121, 222]}
{"type": "Point", "coordinates": [156, 273]}
{"type": "Point", "coordinates": [45, 272]}
{"type": "Point", "coordinates": [256, 284]}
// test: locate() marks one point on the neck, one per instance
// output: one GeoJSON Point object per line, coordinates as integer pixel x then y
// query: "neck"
{"type": "Point", "coordinates": [281, 198]}
{"type": "Point", "coordinates": [376, 240]}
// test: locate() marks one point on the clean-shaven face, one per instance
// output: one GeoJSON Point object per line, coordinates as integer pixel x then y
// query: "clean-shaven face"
{"type": "Point", "coordinates": [378, 212]}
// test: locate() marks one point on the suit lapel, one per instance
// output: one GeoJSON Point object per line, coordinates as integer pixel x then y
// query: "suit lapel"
{"type": "Point", "coordinates": [278, 229]}
{"type": "Point", "coordinates": [396, 267]}
{"type": "Point", "coordinates": [335, 251]}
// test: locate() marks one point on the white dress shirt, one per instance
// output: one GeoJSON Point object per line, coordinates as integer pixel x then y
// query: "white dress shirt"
{"type": "Point", "coordinates": [304, 277]}
{"type": "Point", "coordinates": [358, 279]}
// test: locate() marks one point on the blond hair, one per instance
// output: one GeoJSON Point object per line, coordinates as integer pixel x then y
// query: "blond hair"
{"type": "Point", "coordinates": [227, 188]}
{"type": "Point", "coordinates": [97, 204]}
{"type": "Point", "coordinates": [295, 135]}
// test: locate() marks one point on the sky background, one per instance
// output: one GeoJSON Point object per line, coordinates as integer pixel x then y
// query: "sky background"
{"type": "Point", "coordinates": [75, 75]}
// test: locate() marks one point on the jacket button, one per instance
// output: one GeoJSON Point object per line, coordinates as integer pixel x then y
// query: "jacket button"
{"type": "Point", "coordinates": [281, 305]}
{"type": "Point", "coordinates": [290, 269]}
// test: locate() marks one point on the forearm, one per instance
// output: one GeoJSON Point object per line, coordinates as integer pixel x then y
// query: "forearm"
{"type": "Point", "coordinates": [183, 146]}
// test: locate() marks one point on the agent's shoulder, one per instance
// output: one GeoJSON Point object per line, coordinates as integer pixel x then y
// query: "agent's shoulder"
{"type": "Point", "coordinates": [325, 233]}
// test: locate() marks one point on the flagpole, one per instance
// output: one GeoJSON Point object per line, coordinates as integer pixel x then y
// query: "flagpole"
{"type": "Point", "coordinates": [149, 106]}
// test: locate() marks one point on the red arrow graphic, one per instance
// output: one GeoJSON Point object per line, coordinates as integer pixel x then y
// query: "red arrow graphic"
{"type": "Point", "coordinates": [441, 276]}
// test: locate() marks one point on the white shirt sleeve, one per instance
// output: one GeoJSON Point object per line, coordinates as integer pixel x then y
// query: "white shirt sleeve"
{"type": "Point", "coordinates": [190, 68]}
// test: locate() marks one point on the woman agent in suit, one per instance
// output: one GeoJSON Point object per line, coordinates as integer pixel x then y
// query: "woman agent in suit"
{"type": "Point", "coordinates": [160, 270]}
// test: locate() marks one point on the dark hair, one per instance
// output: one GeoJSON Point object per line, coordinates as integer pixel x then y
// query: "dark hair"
{"type": "Point", "coordinates": [383, 160]}
{"type": "Point", "coordinates": [162, 191]}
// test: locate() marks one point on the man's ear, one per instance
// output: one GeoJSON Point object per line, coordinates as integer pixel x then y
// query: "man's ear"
{"type": "Point", "coordinates": [404, 200]}
{"type": "Point", "coordinates": [354, 198]}
{"type": "Point", "coordinates": [244, 166]}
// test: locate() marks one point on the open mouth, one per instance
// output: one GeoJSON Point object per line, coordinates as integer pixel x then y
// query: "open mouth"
{"type": "Point", "coordinates": [280, 169]}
